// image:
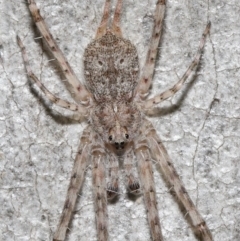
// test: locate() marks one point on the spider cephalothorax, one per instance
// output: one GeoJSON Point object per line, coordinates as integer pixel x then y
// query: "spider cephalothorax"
{"type": "Point", "coordinates": [117, 122]}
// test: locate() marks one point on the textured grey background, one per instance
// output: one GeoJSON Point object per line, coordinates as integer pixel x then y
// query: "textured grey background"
{"type": "Point", "coordinates": [201, 132]}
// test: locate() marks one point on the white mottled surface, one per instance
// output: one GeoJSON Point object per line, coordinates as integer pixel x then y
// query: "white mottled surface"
{"type": "Point", "coordinates": [202, 134]}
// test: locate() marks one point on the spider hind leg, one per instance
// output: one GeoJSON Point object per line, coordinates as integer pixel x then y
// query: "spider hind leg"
{"type": "Point", "coordinates": [104, 25]}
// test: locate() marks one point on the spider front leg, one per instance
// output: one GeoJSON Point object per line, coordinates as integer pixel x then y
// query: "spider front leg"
{"type": "Point", "coordinates": [148, 187]}
{"type": "Point", "coordinates": [160, 154]}
{"type": "Point", "coordinates": [133, 185]}
{"type": "Point", "coordinates": [112, 186]}
{"type": "Point", "coordinates": [77, 176]}
{"type": "Point", "coordinates": [169, 93]}
{"type": "Point", "coordinates": [100, 192]}
{"type": "Point", "coordinates": [79, 91]}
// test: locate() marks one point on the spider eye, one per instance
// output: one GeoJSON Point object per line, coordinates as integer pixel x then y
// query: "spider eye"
{"type": "Point", "coordinates": [110, 138]}
{"type": "Point", "coordinates": [121, 61]}
{"type": "Point", "coordinates": [100, 63]}
{"type": "Point", "coordinates": [127, 136]}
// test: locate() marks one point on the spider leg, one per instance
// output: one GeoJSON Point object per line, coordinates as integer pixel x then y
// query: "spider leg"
{"type": "Point", "coordinates": [169, 93]}
{"type": "Point", "coordinates": [102, 29]}
{"type": "Point", "coordinates": [99, 192]}
{"type": "Point", "coordinates": [133, 185]}
{"type": "Point", "coordinates": [112, 186]}
{"type": "Point", "coordinates": [79, 91]}
{"type": "Point", "coordinates": [54, 99]}
{"type": "Point", "coordinates": [148, 69]}
{"type": "Point", "coordinates": [77, 176]}
{"type": "Point", "coordinates": [116, 20]}
{"type": "Point", "coordinates": [148, 187]}
{"type": "Point", "coordinates": [160, 154]}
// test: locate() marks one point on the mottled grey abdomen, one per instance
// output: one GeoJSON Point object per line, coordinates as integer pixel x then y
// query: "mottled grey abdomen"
{"type": "Point", "coordinates": [111, 68]}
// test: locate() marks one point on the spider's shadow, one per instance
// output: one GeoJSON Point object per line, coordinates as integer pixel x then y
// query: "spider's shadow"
{"type": "Point", "coordinates": [59, 118]}
{"type": "Point", "coordinates": [157, 112]}
{"type": "Point", "coordinates": [163, 111]}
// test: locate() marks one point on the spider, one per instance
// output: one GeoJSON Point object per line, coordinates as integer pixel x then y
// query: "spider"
{"type": "Point", "coordinates": [114, 101]}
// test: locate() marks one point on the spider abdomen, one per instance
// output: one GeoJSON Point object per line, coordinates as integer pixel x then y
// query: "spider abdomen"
{"type": "Point", "coordinates": [111, 67]}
